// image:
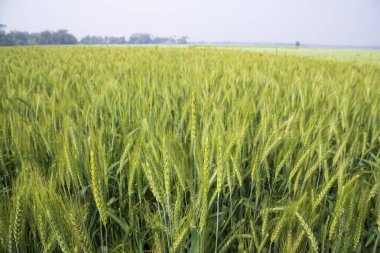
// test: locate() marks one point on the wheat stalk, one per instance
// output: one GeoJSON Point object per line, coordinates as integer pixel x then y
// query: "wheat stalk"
{"type": "Point", "coordinates": [96, 189]}
{"type": "Point", "coordinates": [205, 186]}
{"type": "Point", "coordinates": [308, 232]}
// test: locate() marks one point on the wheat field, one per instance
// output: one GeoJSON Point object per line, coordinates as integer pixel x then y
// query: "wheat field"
{"type": "Point", "coordinates": [154, 149]}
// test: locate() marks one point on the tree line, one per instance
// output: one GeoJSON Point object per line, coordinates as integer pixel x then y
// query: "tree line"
{"type": "Point", "coordinates": [63, 37]}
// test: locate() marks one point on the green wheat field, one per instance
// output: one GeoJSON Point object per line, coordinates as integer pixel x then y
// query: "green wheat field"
{"type": "Point", "coordinates": [167, 149]}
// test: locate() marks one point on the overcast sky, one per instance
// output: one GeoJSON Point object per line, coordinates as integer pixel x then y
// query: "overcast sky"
{"type": "Point", "coordinates": [334, 22]}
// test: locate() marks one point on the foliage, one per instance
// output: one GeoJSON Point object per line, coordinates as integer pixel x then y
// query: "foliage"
{"type": "Point", "coordinates": [63, 37]}
{"type": "Point", "coordinates": [16, 38]}
{"type": "Point", "coordinates": [146, 38]}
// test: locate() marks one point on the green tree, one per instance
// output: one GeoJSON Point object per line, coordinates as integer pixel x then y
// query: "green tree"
{"type": "Point", "coordinates": [140, 38]}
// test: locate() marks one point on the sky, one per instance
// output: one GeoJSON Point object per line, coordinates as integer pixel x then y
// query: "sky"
{"type": "Point", "coordinates": [328, 22]}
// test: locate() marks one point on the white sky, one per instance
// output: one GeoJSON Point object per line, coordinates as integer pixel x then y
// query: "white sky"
{"type": "Point", "coordinates": [334, 22]}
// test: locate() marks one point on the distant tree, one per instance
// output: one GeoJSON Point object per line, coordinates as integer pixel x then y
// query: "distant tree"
{"type": "Point", "coordinates": [115, 40]}
{"type": "Point", "coordinates": [16, 38]}
{"type": "Point", "coordinates": [140, 38]}
{"type": "Point", "coordinates": [162, 40]}
{"type": "Point", "coordinates": [158, 40]}
{"type": "Point", "coordinates": [34, 38]}
{"type": "Point", "coordinates": [45, 38]}
{"type": "Point", "coordinates": [2, 35]}
{"type": "Point", "coordinates": [2, 28]}
{"type": "Point", "coordinates": [92, 40]}
{"type": "Point", "coordinates": [169, 40]}
{"type": "Point", "coordinates": [102, 40]}
{"type": "Point", "coordinates": [297, 44]}
{"type": "Point", "coordinates": [19, 38]}
{"type": "Point", "coordinates": [6, 40]}
{"type": "Point", "coordinates": [182, 40]}
{"type": "Point", "coordinates": [62, 37]}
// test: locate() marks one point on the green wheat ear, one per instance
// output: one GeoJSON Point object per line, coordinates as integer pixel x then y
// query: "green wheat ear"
{"type": "Point", "coordinates": [220, 166]}
{"type": "Point", "coordinates": [193, 116]}
{"type": "Point", "coordinates": [278, 229]}
{"type": "Point", "coordinates": [308, 232]}
{"type": "Point", "coordinates": [193, 149]}
{"type": "Point", "coordinates": [205, 186]}
{"type": "Point", "coordinates": [57, 231]}
{"type": "Point", "coordinates": [181, 236]}
{"type": "Point", "coordinates": [96, 189]}
{"type": "Point", "coordinates": [17, 220]}
{"type": "Point", "coordinates": [167, 174]}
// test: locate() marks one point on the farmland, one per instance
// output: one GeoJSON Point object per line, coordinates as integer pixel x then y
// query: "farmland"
{"type": "Point", "coordinates": [336, 54]}
{"type": "Point", "coordinates": [160, 149]}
